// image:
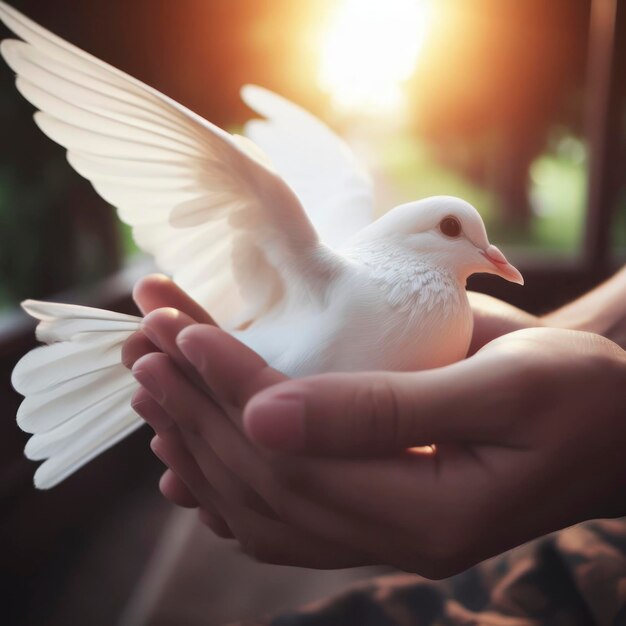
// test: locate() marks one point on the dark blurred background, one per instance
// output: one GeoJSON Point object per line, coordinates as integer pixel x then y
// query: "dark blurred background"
{"type": "Point", "coordinates": [519, 107]}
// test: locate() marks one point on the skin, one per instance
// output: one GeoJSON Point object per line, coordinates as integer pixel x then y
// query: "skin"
{"type": "Point", "coordinates": [315, 472]}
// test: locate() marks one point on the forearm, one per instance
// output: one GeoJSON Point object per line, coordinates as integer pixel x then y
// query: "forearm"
{"type": "Point", "coordinates": [601, 311]}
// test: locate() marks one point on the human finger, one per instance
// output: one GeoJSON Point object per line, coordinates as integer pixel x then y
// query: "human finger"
{"type": "Point", "coordinates": [230, 369]}
{"type": "Point", "coordinates": [151, 293]}
{"type": "Point", "coordinates": [176, 459]}
{"type": "Point", "coordinates": [136, 346]}
{"type": "Point", "coordinates": [171, 486]}
{"type": "Point", "coordinates": [175, 490]}
{"type": "Point", "coordinates": [162, 326]}
{"type": "Point", "coordinates": [157, 290]}
{"type": "Point", "coordinates": [208, 435]}
{"type": "Point", "coordinates": [382, 412]}
{"type": "Point", "coordinates": [151, 411]}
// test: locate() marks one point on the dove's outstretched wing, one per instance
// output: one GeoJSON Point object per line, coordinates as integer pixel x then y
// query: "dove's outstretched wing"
{"type": "Point", "coordinates": [333, 187]}
{"type": "Point", "coordinates": [203, 202]}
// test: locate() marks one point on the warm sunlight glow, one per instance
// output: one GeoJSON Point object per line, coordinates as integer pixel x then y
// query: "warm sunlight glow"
{"type": "Point", "coordinates": [423, 450]}
{"type": "Point", "coordinates": [368, 50]}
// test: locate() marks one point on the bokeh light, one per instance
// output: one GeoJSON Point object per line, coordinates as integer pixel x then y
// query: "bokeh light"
{"type": "Point", "coordinates": [368, 49]}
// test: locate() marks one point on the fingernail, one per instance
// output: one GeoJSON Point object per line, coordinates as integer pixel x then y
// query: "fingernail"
{"type": "Point", "coordinates": [150, 384]}
{"type": "Point", "coordinates": [153, 414]}
{"type": "Point", "coordinates": [127, 362]}
{"type": "Point", "coordinates": [155, 443]}
{"type": "Point", "coordinates": [191, 352]}
{"type": "Point", "coordinates": [150, 334]}
{"type": "Point", "coordinates": [278, 423]}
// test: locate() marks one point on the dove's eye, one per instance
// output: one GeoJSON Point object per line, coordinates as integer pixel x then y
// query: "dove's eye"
{"type": "Point", "coordinates": [450, 227]}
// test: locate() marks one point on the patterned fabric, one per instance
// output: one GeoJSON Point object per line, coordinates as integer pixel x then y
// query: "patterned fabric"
{"type": "Point", "coordinates": [574, 577]}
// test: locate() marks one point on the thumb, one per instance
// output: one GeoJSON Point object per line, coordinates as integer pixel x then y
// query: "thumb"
{"type": "Point", "coordinates": [369, 413]}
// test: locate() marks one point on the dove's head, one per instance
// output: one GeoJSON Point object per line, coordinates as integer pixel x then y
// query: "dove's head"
{"type": "Point", "coordinates": [447, 232]}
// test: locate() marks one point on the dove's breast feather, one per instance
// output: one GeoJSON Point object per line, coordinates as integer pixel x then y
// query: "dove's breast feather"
{"type": "Point", "coordinates": [407, 281]}
{"type": "Point", "coordinates": [424, 316]}
{"type": "Point", "coordinates": [374, 317]}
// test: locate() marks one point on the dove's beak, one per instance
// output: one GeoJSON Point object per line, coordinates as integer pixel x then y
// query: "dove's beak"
{"type": "Point", "coordinates": [501, 265]}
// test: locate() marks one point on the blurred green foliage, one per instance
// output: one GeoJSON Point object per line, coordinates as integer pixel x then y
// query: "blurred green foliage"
{"type": "Point", "coordinates": [129, 247]}
{"type": "Point", "coordinates": [619, 229]}
{"type": "Point", "coordinates": [55, 233]}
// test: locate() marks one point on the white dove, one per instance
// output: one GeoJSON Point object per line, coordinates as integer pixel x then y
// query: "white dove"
{"type": "Point", "coordinates": [246, 229]}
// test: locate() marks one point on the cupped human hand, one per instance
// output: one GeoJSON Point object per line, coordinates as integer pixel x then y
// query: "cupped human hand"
{"type": "Point", "coordinates": [528, 432]}
{"type": "Point", "coordinates": [492, 318]}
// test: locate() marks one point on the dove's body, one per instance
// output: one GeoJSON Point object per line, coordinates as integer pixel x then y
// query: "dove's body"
{"type": "Point", "coordinates": [249, 240]}
{"type": "Point", "coordinates": [400, 314]}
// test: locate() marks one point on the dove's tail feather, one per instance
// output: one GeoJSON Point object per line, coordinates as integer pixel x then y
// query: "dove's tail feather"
{"type": "Point", "coordinates": [77, 392]}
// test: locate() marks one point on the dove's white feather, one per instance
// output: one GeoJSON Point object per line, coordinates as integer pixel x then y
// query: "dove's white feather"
{"type": "Point", "coordinates": [52, 311]}
{"type": "Point", "coordinates": [62, 321]}
{"type": "Point", "coordinates": [47, 409]}
{"type": "Point", "coordinates": [47, 443]}
{"type": "Point", "coordinates": [72, 455]}
{"type": "Point", "coordinates": [123, 135]}
{"type": "Point", "coordinates": [48, 366]}
{"type": "Point", "coordinates": [339, 198]}
{"type": "Point", "coordinates": [77, 391]}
